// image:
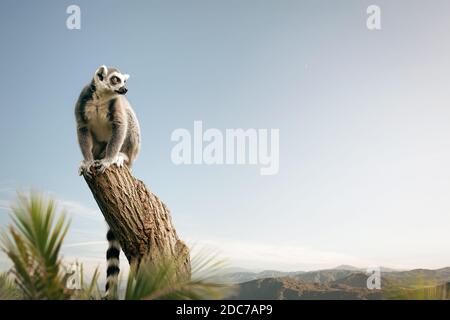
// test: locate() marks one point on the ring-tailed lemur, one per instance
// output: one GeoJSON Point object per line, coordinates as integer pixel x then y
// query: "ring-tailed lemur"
{"type": "Point", "coordinates": [108, 133]}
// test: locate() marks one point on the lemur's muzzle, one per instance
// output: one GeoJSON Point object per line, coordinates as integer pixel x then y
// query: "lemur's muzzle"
{"type": "Point", "coordinates": [122, 90]}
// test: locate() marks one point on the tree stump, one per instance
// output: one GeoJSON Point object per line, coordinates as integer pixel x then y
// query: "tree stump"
{"type": "Point", "coordinates": [138, 218]}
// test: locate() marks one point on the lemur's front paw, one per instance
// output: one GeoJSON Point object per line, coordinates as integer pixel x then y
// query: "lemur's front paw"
{"type": "Point", "coordinates": [120, 160]}
{"type": "Point", "coordinates": [102, 165]}
{"type": "Point", "coordinates": [85, 168]}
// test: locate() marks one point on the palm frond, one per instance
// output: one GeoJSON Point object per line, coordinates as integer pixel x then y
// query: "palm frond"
{"type": "Point", "coordinates": [8, 290]}
{"type": "Point", "coordinates": [88, 291]}
{"type": "Point", "coordinates": [162, 280]}
{"type": "Point", "coordinates": [33, 244]}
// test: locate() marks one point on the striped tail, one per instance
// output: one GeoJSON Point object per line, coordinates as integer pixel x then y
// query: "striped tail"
{"type": "Point", "coordinates": [112, 271]}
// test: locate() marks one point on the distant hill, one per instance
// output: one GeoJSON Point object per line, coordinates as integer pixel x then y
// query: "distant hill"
{"type": "Point", "coordinates": [319, 276]}
{"type": "Point", "coordinates": [323, 276]}
{"type": "Point", "coordinates": [440, 292]}
{"type": "Point", "coordinates": [353, 280]}
{"type": "Point", "coordinates": [345, 284]}
{"type": "Point", "coordinates": [419, 277]}
{"type": "Point", "coordinates": [352, 268]}
{"type": "Point", "coordinates": [239, 277]}
{"type": "Point", "coordinates": [292, 289]}
{"type": "Point", "coordinates": [347, 267]}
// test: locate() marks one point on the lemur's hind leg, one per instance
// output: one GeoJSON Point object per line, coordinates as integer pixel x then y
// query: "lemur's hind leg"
{"type": "Point", "coordinates": [131, 148]}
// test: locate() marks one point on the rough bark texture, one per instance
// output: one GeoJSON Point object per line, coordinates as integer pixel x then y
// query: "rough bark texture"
{"type": "Point", "coordinates": [137, 217]}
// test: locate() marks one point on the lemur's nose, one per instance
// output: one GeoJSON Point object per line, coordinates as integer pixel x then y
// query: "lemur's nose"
{"type": "Point", "coordinates": [123, 90]}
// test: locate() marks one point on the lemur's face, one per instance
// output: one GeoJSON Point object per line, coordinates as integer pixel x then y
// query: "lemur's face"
{"type": "Point", "coordinates": [110, 80]}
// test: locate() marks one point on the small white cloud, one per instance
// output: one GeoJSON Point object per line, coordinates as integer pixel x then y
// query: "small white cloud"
{"type": "Point", "coordinates": [5, 197]}
{"type": "Point", "coordinates": [74, 208]}
{"type": "Point", "coordinates": [87, 243]}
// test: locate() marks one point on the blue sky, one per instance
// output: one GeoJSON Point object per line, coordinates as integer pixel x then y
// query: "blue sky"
{"type": "Point", "coordinates": [363, 118]}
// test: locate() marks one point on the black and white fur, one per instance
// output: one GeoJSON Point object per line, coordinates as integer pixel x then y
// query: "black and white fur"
{"type": "Point", "coordinates": [112, 269]}
{"type": "Point", "coordinates": [108, 133]}
{"type": "Point", "coordinates": [107, 127]}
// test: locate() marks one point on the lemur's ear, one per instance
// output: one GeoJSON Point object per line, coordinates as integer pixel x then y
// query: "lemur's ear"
{"type": "Point", "coordinates": [126, 77]}
{"type": "Point", "coordinates": [101, 72]}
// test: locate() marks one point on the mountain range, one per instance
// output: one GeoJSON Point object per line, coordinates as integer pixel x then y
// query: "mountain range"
{"type": "Point", "coordinates": [343, 282]}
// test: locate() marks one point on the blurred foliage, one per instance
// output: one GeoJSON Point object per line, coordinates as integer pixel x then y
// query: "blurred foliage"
{"type": "Point", "coordinates": [8, 290]}
{"type": "Point", "coordinates": [162, 280]}
{"type": "Point", "coordinates": [33, 245]}
{"type": "Point", "coordinates": [33, 242]}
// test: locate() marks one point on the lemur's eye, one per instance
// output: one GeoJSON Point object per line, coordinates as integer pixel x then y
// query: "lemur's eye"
{"type": "Point", "coordinates": [115, 80]}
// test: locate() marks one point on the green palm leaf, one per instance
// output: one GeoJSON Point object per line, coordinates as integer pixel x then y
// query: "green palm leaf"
{"type": "Point", "coordinates": [33, 244]}
{"type": "Point", "coordinates": [162, 280]}
{"type": "Point", "coordinates": [8, 290]}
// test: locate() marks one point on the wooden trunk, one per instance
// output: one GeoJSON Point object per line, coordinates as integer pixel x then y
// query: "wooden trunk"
{"type": "Point", "coordinates": [138, 218]}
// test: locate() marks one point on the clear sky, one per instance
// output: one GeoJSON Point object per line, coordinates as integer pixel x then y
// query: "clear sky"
{"type": "Point", "coordinates": [363, 116]}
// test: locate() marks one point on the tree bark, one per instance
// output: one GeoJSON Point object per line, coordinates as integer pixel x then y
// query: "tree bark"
{"type": "Point", "coordinates": [138, 218]}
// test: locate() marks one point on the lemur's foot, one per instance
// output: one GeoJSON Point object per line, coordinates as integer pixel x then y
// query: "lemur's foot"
{"type": "Point", "coordinates": [85, 168]}
{"type": "Point", "coordinates": [102, 165]}
{"type": "Point", "coordinates": [120, 159]}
